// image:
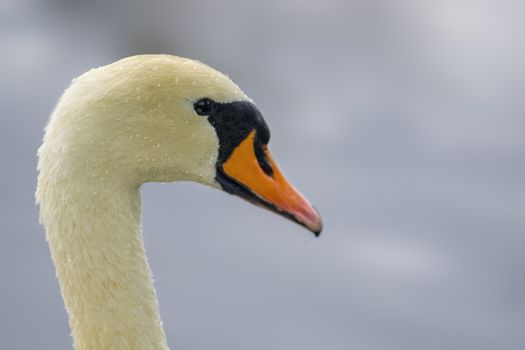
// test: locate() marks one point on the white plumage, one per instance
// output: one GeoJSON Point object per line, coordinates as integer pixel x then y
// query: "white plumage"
{"type": "Point", "coordinates": [113, 129]}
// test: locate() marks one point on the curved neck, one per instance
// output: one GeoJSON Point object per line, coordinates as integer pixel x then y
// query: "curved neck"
{"type": "Point", "coordinates": [95, 238]}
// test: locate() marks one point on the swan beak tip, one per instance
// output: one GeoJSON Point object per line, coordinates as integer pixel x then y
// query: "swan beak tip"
{"type": "Point", "coordinates": [312, 221]}
{"type": "Point", "coordinates": [317, 232]}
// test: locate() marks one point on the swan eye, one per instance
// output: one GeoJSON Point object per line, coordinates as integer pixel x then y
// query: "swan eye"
{"type": "Point", "coordinates": [203, 106]}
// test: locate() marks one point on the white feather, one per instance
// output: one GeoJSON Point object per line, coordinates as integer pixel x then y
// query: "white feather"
{"type": "Point", "coordinates": [113, 129]}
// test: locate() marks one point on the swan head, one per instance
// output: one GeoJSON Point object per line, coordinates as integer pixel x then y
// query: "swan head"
{"type": "Point", "coordinates": [165, 118]}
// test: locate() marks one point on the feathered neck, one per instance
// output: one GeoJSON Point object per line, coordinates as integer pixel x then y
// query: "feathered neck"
{"type": "Point", "coordinates": [94, 234]}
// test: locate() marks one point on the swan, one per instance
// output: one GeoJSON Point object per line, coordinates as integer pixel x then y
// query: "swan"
{"type": "Point", "coordinates": [141, 119]}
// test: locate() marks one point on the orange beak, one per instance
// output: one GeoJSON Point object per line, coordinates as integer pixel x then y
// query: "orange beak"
{"type": "Point", "coordinates": [251, 173]}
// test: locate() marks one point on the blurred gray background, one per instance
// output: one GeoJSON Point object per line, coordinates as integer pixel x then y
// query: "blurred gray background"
{"type": "Point", "coordinates": [402, 121]}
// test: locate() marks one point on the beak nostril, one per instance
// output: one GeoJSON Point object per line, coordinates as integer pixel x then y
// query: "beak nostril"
{"type": "Point", "coordinates": [263, 161]}
{"type": "Point", "coordinates": [260, 150]}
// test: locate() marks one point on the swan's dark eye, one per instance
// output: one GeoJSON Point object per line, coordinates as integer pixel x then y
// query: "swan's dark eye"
{"type": "Point", "coordinates": [203, 106]}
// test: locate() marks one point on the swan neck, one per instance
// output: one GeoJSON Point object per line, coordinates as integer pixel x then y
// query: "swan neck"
{"type": "Point", "coordinates": [95, 237]}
